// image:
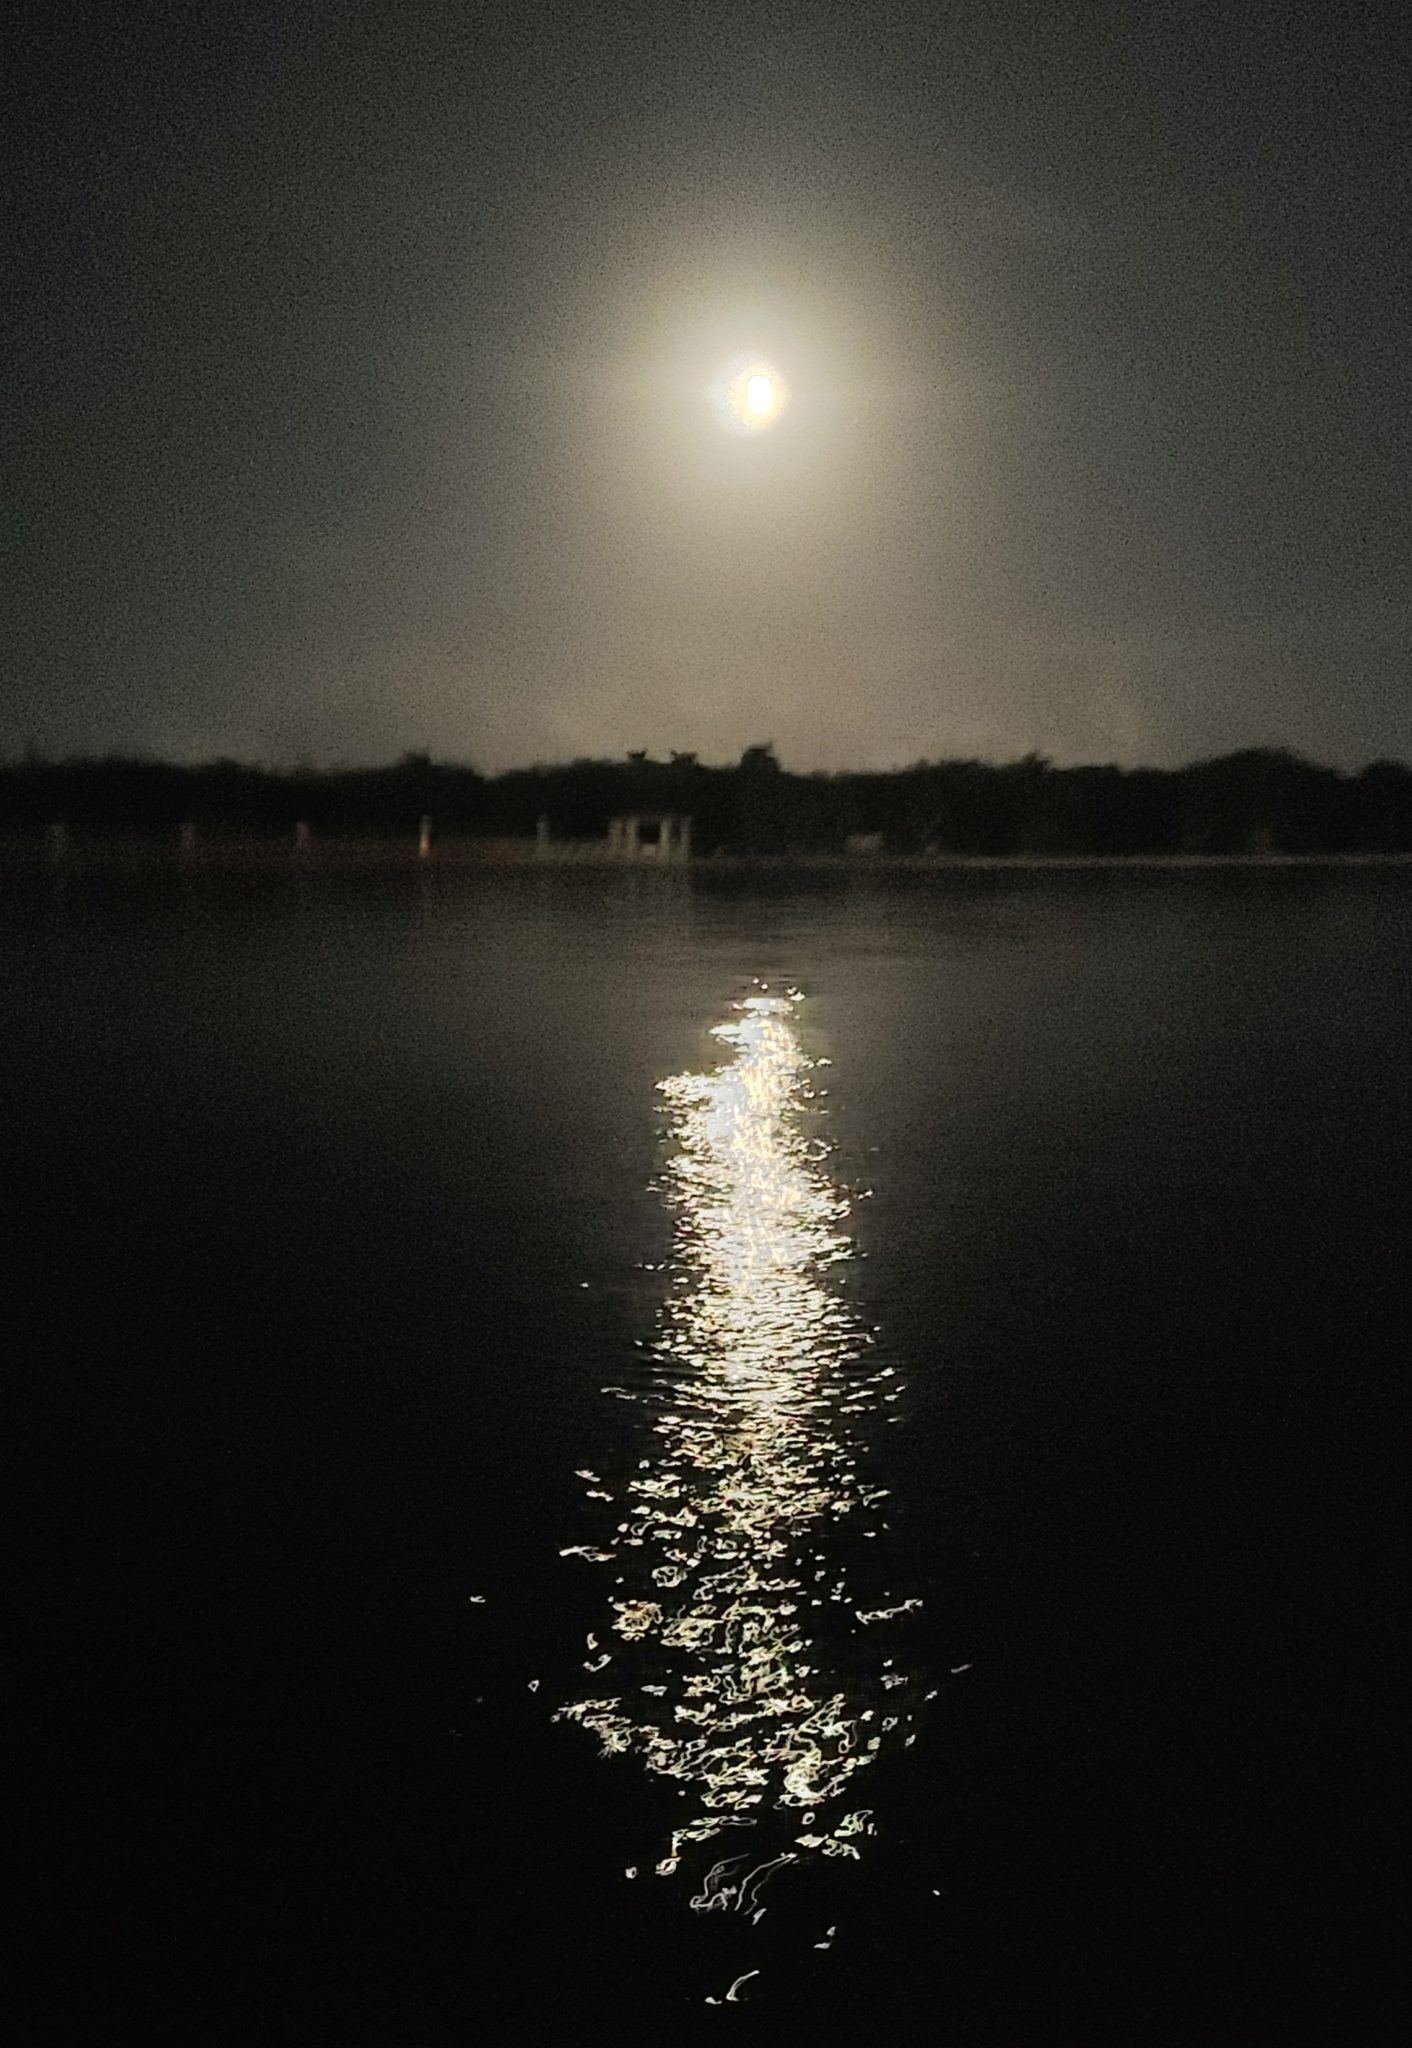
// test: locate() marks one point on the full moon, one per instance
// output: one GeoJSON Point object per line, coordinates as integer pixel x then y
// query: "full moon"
{"type": "Point", "coordinates": [748, 394]}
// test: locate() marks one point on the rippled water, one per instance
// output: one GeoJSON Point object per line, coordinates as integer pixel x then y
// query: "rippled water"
{"type": "Point", "coordinates": [733, 1672]}
{"type": "Point", "coordinates": [594, 1445]}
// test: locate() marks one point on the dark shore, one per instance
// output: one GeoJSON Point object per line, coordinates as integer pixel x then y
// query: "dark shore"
{"type": "Point", "coordinates": [342, 853]}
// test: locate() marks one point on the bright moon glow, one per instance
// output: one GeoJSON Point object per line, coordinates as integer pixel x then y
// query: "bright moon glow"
{"type": "Point", "coordinates": [748, 394]}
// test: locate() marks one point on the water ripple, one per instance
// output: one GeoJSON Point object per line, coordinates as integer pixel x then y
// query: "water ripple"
{"type": "Point", "coordinates": [738, 1657]}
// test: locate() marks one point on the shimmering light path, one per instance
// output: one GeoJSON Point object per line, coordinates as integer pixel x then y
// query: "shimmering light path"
{"type": "Point", "coordinates": [740, 1656]}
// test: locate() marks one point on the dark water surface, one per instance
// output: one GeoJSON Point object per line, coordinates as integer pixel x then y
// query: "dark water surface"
{"type": "Point", "coordinates": [1004, 1471]}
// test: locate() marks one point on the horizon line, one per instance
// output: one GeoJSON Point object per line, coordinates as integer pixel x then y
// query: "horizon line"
{"type": "Point", "coordinates": [683, 760]}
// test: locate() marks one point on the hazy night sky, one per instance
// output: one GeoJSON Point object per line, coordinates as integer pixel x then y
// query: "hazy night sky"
{"type": "Point", "coordinates": [359, 357]}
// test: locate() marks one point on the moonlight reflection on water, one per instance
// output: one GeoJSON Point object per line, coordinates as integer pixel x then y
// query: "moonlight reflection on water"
{"type": "Point", "coordinates": [737, 1635]}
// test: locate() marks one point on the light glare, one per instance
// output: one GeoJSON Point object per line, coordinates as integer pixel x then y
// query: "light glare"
{"type": "Point", "coordinates": [748, 394]}
{"type": "Point", "coordinates": [728, 1675]}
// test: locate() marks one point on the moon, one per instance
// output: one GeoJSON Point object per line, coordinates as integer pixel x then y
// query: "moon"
{"type": "Point", "coordinates": [748, 394]}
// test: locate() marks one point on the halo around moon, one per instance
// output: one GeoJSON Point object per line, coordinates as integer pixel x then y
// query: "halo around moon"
{"type": "Point", "coordinates": [748, 394]}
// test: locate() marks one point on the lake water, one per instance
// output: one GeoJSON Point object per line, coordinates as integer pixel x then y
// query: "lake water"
{"type": "Point", "coordinates": [907, 1366]}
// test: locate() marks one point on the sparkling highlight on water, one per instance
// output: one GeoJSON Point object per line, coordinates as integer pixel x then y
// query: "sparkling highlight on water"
{"type": "Point", "coordinates": [740, 1665]}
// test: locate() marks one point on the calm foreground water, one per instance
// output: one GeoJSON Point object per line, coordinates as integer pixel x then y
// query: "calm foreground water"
{"type": "Point", "coordinates": [592, 1444]}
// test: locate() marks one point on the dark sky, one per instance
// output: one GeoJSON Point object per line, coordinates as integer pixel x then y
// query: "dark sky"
{"type": "Point", "coordinates": [360, 357]}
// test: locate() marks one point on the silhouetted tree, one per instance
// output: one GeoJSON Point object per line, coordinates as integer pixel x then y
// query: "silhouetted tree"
{"type": "Point", "coordinates": [1257, 800]}
{"type": "Point", "coordinates": [760, 760]}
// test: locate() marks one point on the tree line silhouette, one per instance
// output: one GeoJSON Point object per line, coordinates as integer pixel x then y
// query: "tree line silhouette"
{"type": "Point", "coordinates": [1257, 801]}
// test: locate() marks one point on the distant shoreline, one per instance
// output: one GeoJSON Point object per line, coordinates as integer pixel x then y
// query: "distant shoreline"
{"type": "Point", "coordinates": [342, 855]}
